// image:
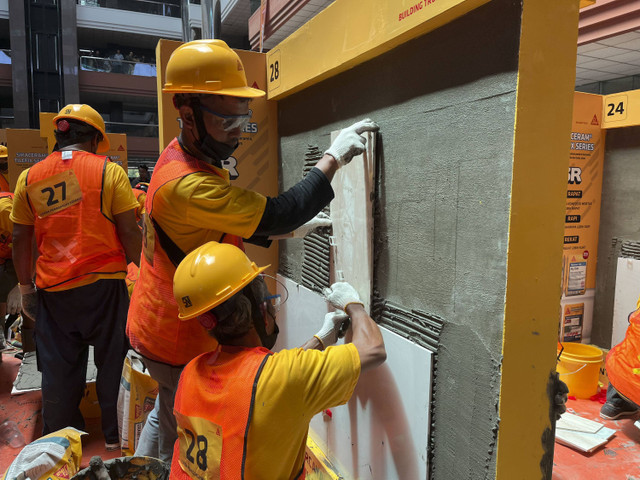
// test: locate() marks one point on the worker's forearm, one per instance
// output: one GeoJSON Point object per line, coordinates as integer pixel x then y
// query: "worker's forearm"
{"type": "Point", "coordinates": [132, 243]}
{"type": "Point", "coordinates": [23, 253]}
{"type": "Point", "coordinates": [328, 165]}
{"type": "Point", "coordinates": [313, 344]}
{"type": "Point", "coordinates": [366, 337]}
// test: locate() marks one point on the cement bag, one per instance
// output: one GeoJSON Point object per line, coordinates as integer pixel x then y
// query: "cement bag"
{"type": "Point", "coordinates": [55, 456]}
{"type": "Point", "coordinates": [136, 398]}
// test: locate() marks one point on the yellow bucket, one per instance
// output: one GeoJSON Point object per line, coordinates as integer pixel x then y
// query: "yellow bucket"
{"type": "Point", "coordinates": [579, 368]}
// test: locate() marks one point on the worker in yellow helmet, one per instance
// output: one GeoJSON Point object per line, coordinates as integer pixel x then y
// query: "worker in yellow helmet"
{"type": "Point", "coordinates": [250, 405]}
{"type": "Point", "coordinates": [190, 202]}
{"type": "Point", "coordinates": [80, 210]}
{"type": "Point", "coordinates": [4, 169]}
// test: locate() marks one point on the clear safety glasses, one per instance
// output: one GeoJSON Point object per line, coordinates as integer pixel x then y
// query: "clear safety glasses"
{"type": "Point", "coordinates": [230, 122]}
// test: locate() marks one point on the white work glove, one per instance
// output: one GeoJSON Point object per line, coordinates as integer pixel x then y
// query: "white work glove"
{"type": "Point", "coordinates": [328, 334]}
{"type": "Point", "coordinates": [341, 294]}
{"type": "Point", "coordinates": [320, 220]}
{"type": "Point", "coordinates": [350, 141]}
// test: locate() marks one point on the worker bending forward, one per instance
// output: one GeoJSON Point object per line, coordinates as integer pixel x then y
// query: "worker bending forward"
{"type": "Point", "coordinates": [81, 209]}
{"type": "Point", "coordinates": [190, 202]}
{"type": "Point", "coordinates": [242, 410]}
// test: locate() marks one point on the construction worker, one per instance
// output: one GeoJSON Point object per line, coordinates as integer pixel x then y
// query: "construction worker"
{"type": "Point", "coordinates": [4, 169]}
{"type": "Point", "coordinates": [190, 202]}
{"type": "Point", "coordinates": [243, 411]}
{"type": "Point", "coordinates": [80, 208]}
{"type": "Point", "coordinates": [623, 370]}
{"type": "Point", "coordinates": [10, 300]}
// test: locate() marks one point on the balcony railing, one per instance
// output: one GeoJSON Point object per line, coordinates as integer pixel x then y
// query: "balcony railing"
{"type": "Point", "coordinates": [100, 64]}
{"type": "Point", "coordinates": [133, 129]}
{"type": "Point", "coordinates": [154, 7]}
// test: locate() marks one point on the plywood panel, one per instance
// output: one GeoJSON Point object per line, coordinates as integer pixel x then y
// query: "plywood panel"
{"type": "Point", "coordinates": [382, 432]}
{"type": "Point", "coordinates": [352, 221]}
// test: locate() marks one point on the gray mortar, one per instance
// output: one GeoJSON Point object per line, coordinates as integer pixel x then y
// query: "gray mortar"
{"type": "Point", "coordinates": [445, 104]}
{"type": "Point", "coordinates": [619, 222]}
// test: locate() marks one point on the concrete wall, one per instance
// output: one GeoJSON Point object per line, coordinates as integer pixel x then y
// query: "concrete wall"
{"type": "Point", "coordinates": [445, 104]}
{"type": "Point", "coordinates": [619, 221]}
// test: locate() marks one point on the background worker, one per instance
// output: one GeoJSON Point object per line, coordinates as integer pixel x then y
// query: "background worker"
{"type": "Point", "coordinates": [143, 175]}
{"type": "Point", "coordinates": [81, 210]}
{"type": "Point", "coordinates": [260, 400]}
{"type": "Point", "coordinates": [10, 300]}
{"type": "Point", "coordinates": [623, 370]}
{"type": "Point", "coordinates": [4, 169]}
{"type": "Point", "coordinates": [190, 202]}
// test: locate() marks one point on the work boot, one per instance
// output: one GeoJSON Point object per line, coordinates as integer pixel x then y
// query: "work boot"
{"type": "Point", "coordinates": [612, 411]}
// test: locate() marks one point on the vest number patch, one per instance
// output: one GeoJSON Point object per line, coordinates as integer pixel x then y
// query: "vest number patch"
{"type": "Point", "coordinates": [200, 447]}
{"type": "Point", "coordinates": [55, 193]}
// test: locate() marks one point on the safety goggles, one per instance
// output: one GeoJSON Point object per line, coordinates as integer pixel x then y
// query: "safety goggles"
{"type": "Point", "coordinates": [274, 301]}
{"type": "Point", "coordinates": [230, 122]}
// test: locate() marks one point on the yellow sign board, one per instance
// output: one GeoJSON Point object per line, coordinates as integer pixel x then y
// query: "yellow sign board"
{"type": "Point", "coordinates": [621, 109]}
{"type": "Point", "coordinates": [25, 148]}
{"type": "Point", "coordinates": [254, 165]}
{"type": "Point", "coordinates": [350, 32]}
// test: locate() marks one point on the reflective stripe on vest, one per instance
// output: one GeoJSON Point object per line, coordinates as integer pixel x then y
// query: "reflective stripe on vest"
{"type": "Point", "coordinates": [213, 408]}
{"type": "Point", "coordinates": [6, 238]}
{"type": "Point", "coordinates": [623, 361]}
{"type": "Point", "coordinates": [78, 239]}
{"type": "Point", "coordinates": [152, 324]}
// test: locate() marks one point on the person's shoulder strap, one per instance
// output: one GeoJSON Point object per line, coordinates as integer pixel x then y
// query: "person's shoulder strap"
{"type": "Point", "coordinates": [173, 251]}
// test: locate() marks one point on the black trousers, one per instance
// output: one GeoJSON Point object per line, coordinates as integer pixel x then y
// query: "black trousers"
{"type": "Point", "coordinates": [67, 323]}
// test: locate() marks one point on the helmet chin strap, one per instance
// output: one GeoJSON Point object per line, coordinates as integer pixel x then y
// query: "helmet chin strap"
{"type": "Point", "coordinates": [210, 147]}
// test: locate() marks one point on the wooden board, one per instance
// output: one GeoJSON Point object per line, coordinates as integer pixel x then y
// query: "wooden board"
{"type": "Point", "coordinates": [352, 220]}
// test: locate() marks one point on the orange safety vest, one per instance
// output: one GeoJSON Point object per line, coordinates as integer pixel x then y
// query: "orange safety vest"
{"type": "Point", "coordinates": [213, 406]}
{"type": "Point", "coordinates": [74, 236]}
{"type": "Point", "coordinates": [152, 324]}
{"type": "Point", "coordinates": [623, 361]}
{"type": "Point", "coordinates": [4, 184]}
{"type": "Point", "coordinates": [6, 238]}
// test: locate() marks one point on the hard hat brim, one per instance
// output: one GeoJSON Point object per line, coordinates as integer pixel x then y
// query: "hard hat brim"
{"type": "Point", "coordinates": [241, 92]}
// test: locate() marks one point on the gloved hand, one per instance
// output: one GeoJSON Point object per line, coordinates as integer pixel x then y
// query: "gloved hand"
{"type": "Point", "coordinates": [320, 220]}
{"type": "Point", "coordinates": [328, 334]}
{"type": "Point", "coordinates": [350, 141]}
{"type": "Point", "coordinates": [341, 294]}
{"type": "Point", "coordinates": [30, 305]}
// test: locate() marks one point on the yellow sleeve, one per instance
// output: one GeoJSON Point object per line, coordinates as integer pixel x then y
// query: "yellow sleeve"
{"type": "Point", "coordinates": [214, 204]}
{"type": "Point", "coordinates": [6, 225]}
{"type": "Point", "coordinates": [117, 192]}
{"type": "Point", "coordinates": [322, 379]}
{"type": "Point", "coordinates": [21, 212]}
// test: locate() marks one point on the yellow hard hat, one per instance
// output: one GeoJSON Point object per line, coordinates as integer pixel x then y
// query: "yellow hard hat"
{"type": "Point", "coordinates": [209, 67]}
{"type": "Point", "coordinates": [3, 151]}
{"type": "Point", "coordinates": [210, 275]}
{"type": "Point", "coordinates": [88, 115]}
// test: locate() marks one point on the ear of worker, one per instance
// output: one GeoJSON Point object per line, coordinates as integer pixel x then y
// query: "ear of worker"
{"type": "Point", "coordinates": [350, 142]}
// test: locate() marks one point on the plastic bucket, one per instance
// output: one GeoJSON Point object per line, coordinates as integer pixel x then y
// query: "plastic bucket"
{"type": "Point", "coordinates": [579, 368]}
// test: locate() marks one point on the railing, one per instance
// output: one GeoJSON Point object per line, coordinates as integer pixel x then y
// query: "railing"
{"type": "Point", "coordinates": [101, 64]}
{"type": "Point", "coordinates": [133, 129]}
{"type": "Point", "coordinates": [6, 121]}
{"type": "Point", "coordinates": [154, 7]}
{"type": "Point", "coordinates": [5, 56]}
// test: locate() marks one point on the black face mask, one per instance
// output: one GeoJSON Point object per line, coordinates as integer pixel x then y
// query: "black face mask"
{"type": "Point", "coordinates": [268, 341]}
{"type": "Point", "coordinates": [214, 149]}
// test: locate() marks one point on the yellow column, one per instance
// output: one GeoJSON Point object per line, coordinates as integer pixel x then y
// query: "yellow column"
{"type": "Point", "coordinates": [546, 79]}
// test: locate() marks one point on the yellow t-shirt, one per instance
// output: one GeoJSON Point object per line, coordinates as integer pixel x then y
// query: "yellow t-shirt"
{"type": "Point", "coordinates": [295, 385]}
{"type": "Point", "coordinates": [117, 197]}
{"type": "Point", "coordinates": [198, 208]}
{"type": "Point", "coordinates": [6, 225]}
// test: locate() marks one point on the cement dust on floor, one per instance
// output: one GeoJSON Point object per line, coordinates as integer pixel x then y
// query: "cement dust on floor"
{"type": "Point", "coordinates": [619, 459]}
{"type": "Point", "coordinates": [24, 409]}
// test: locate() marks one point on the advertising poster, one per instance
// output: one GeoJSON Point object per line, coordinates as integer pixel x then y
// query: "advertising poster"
{"type": "Point", "coordinates": [26, 148]}
{"type": "Point", "coordinates": [582, 215]}
{"type": "Point", "coordinates": [254, 165]}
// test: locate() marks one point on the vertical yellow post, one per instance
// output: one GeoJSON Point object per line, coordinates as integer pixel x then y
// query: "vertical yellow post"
{"type": "Point", "coordinates": [546, 79]}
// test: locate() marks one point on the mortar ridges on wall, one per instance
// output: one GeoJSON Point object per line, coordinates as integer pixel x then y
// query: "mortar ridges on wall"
{"type": "Point", "coordinates": [316, 262]}
{"type": "Point", "coordinates": [630, 249]}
